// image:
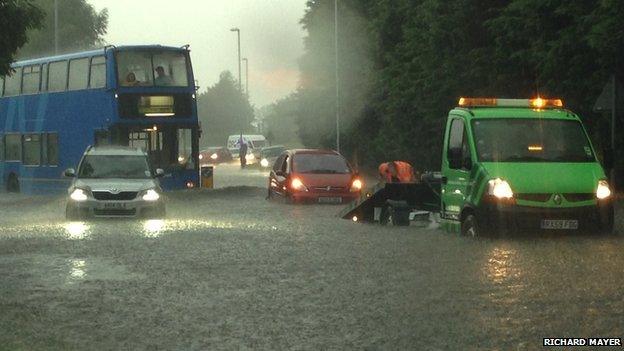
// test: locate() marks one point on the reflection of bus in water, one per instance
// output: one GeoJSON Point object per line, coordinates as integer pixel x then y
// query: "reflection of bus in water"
{"type": "Point", "coordinates": [52, 108]}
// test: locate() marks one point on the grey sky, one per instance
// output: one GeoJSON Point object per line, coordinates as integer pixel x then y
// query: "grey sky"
{"type": "Point", "coordinates": [271, 37]}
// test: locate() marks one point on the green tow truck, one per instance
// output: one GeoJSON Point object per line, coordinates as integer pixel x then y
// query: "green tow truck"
{"type": "Point", "coordinates": [507, 165]}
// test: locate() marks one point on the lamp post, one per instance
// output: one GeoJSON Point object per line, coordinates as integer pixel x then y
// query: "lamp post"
{"type": "Point", "coordinates": [56, 27]}
{"type": "Point", "coordinates": [239, 57]}
{"type": "Point", "coordinates": [336, 75]}
{"type": "Point", "coordinates": [246, 76]}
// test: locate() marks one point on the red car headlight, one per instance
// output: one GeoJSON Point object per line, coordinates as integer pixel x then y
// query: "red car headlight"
{"type": "Point", "coordinates": [356, 185]}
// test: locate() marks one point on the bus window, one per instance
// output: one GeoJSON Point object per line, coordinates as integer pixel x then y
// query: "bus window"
{"type": "Point", "coordinates": [52, 149]}
{"type": "Point", "coordinates": [32, 149]}
{"type": "Point", "coordinates": [78, 74]}
{"type": "Point", "coordinates": [57, 76]}
{"type": "Point", "coordinates": [170, 69]}
{"type": "Point", "coordinates": [184, 149]}
{"type": "Point", "coordinates": [12, 84]}
{"type": "Point", "coordinates": [30, 80]}
{"type": "Point", "coordinates": [98, 72]}
{"type": "Point", "coordinates": [13, 146]}
{"type": "Point", "coordinates": [134, 68]}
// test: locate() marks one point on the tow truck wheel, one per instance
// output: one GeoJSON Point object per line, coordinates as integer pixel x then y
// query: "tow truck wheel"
{"type": "Point", "coordinates": [470, 226]}
{"type": "Point", "coordinates": [605, 221]}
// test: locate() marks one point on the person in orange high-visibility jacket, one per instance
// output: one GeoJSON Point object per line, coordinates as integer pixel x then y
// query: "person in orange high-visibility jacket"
{"type": "Point", "coordinates": [397, 172]}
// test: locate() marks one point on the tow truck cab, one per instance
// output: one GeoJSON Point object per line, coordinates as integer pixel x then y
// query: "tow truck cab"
{"type": "Point", "coordinates": [512, 164]}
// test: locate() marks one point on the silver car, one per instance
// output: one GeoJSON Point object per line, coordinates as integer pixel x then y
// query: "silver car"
{"type": "Point", "coordinates": [114, 181]}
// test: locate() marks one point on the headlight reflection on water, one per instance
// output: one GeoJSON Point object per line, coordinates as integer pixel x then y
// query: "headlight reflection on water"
{"type": "Point", "coordinates": [153, 227]}
{"type": "Point", "coordinates": [77, 230]}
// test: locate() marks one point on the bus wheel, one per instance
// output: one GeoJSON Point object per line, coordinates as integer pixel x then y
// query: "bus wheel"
{"type": "Point", "coordinates": [470, 226]}
{"type": "Point", "coordinates": [13, 184]}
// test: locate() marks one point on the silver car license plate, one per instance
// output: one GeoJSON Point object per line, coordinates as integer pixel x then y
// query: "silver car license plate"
{"type": "Point", "coordinates": [114, 205]}
{"type": "Point", "coordinates": [559, 224]}
{"type": "Point", "coordinates": [329, 200]}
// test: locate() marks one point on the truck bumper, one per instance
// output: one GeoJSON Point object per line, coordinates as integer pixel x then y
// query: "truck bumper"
{"type": "Point", "coordinates": [514, 217]}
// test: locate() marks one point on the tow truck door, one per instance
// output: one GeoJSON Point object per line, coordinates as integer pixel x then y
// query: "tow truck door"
{"type": "Point", "coordinates": [456, 167]}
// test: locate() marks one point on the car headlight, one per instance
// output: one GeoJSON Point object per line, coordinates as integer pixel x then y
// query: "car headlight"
{"type": "Point", "coordinates": [78, 195]}
{"type": "Point", "coordinates": [214, 156]}
{"type": "Point", "coordinates": [297, 184]}
{"type": "Point", "coordinates": [603, 191]}
{"type": "Point", "coordinates": [151, 195]}
{"type": "Point", "coordinates": [500, 189]}
{"type": "Point", "coordinates": [356, 185]}
{"type": "Point", "coordinates": [201, 156]}
{"type": "Point", "coordinates": [264, 162]}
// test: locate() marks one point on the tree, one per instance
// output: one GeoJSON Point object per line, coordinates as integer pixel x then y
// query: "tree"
{"type": "Point", "coordinates": [280, 120]}
{"type": "Point", "coordinates": [80, 27]}
{"type": "Point", "coordinates": [16, 18]}
{"type": "Point", "coordinates": [223, 110]}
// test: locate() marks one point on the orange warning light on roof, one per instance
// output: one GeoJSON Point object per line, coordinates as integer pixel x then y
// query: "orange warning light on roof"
{"type": "Point", "coordinates": [464, 101]}
{"type": "Point", "coordinates": [538, 102]}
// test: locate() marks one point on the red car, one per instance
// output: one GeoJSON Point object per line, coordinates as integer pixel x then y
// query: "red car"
{"type": "Point", "coordinates": [310, 175]}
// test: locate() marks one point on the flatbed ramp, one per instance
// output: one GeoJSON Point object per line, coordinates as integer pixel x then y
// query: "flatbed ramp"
{"type": "Point", "coordinates": [372, 205]}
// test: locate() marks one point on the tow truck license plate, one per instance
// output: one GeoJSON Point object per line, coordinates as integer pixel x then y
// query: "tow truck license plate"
{"type": "Point", "coordinates": [559, 224]}
{"type": "Point", "coordinates": [114, 206]}
{"type": "Point", "coordinates": [329, 200]}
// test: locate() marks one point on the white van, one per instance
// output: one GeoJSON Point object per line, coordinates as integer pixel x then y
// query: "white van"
{"type": "Point", "coordinates": [254, 142]}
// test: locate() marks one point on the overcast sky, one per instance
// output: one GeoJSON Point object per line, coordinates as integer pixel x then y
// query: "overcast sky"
{"type": "Point", "coordinates": [271, 37]}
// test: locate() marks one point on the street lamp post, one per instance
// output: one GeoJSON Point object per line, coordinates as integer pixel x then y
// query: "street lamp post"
{"type": "Point", "coordinates": [246, 76]}
{"type": "Point", "coordinates": [55, 27]}
{"type": "Point", "coordinates": [239, 57]}
{"type": "Point", "coordinates": [336, 75]}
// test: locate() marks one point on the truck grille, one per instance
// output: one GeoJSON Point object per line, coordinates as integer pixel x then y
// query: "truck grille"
{"type": "Point", "coordinates": [106, 195]}
{"type": "Point", "coordinates": [534, 197]}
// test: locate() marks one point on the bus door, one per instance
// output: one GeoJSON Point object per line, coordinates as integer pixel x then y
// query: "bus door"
{"type": "Point", "coordinates": [173, 149]}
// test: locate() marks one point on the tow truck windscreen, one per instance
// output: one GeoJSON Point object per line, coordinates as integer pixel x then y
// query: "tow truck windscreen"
{"type": "Point", "coordinates": [320, 163]}
{"type": "Point", "coordinates": [132, 167]}
{"type": "Point", "coordinates": [531, 140]}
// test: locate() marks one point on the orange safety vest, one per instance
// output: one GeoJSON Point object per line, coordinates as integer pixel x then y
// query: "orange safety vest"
{"type": "Point", "coordinates": [405, 172]}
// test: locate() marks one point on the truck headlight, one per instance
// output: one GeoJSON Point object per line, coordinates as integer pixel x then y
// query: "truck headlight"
{"type": "Point", "coordinates": [151, 195]}
{"type": "Point", "coordinates": [78, 195]}
{"type": "Point", "coordinates": [603, 191]}
{"type": "Point", "coordinates": [500, 189]}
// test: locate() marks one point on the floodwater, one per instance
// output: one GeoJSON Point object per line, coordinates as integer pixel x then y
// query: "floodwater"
{"type": "Point", "coordinates": [228, 269]}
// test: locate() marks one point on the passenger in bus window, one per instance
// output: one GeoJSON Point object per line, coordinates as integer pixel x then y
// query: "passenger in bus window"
{"type": "Point", "coordinates": [161, 77]}
{"type": "Point", "coordinates": [131, 80]}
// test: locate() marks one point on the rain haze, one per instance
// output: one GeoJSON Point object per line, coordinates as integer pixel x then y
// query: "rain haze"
{"type": "Point", "coordinates": [271, 37]}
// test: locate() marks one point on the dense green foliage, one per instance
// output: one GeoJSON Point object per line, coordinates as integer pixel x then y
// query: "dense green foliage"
{"type": "Point", "coordinates": [80, 27]}
{"type": "Point", "coordinates": [280, 121]}
{"type": "Point", "coordinates": [223, 110]}
{"type": "Point", "coordinates": [404, 63]}
{"type": "Point", "coordinates": [16, 18]}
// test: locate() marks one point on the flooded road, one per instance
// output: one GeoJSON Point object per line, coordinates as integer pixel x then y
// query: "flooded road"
{"type": "Point", "coordinates": [229, 270]}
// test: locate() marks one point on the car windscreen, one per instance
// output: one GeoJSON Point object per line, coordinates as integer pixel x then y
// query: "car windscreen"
{"type": "Point", "coordinates": [272, 152]}
{"type": "Point", "coordinates": [531, 140]}
{"type": "Point", "coordinates": [320, 164]}
{"type": "Point", "coordinates": [108, 166]}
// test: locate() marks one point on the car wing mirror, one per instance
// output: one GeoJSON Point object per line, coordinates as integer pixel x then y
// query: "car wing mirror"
{"type": "Point", "coordinates": [159, 172]}
{"type": "Point", "coordinates": [70, 172]}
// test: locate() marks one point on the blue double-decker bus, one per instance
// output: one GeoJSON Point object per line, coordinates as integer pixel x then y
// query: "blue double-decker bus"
{"type": "Point", "coordinates": [52, 108]}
